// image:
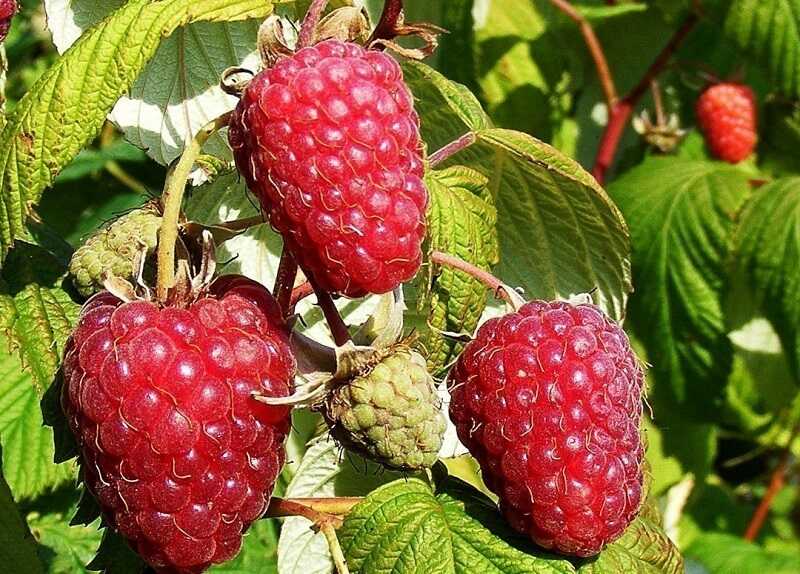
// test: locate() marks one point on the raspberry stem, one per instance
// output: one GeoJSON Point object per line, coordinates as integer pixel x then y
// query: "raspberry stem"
{"type": "Point", "coordinates": [776, 483]}
{"type": "Point", "coordinates": [309, 26]}
{"type": "Point", "coordinates": [451, 149]}
{"type": "Point", "coordinates": [284, 281]}
{"type": "Point", "coordinates": [171, 202]}
{"type": "Point", "coordinates": [501, 290]}
{"type": "Point", "coordinates": [299, 293]}
{"type": "Point", "coordinates": [335, 322]}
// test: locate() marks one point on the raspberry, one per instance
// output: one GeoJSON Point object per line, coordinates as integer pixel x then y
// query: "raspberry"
{"type": "Point", "coordinates": [389, 413]}
{"type": "Point", "coordinates": [8, 9]}
{"type": "Point", "coordinates": [548, 400]}
{"type": "Point", "coordinates": [180, 456]}
{"type": "Point", "coordinates": [112, 251]}
{"type": "Point", "coordinates": [727, 115]}
{"type": "Point", "coordinates": [328, 140]}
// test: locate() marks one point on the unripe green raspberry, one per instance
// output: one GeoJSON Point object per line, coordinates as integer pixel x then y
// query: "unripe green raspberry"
{"type": "Point", "coordinates": [390, 412]}
{"type": "Point", "coordinates": [112, 250]}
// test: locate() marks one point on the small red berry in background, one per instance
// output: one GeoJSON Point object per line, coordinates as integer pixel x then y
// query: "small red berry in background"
{"type": "Point", "coordinates": [328, 140]}
{"type": "Point", "coordinates": [180, 456]}
{"type": "Point", "coordinates": [8, 9]}
{"type": "Point", "coordinates": [549, 401]}
{"type": "Point", "coordinates": [727, 114]}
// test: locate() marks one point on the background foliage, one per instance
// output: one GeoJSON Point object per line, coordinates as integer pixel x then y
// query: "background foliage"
{"type": "Point", "coordinates": [699, 258]}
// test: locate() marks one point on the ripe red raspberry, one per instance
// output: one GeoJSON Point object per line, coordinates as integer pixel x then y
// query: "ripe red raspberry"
{"type": "Point", "coordinates": [8, 9]}
{"type": "Point", "coordinates": [548, 400]}
{"type": "Point", "coordinates": [180, 456]}
{"type": "Point", "coordinates": [727, 115]}
{"type": "Point", "coordinates": [328, 140]}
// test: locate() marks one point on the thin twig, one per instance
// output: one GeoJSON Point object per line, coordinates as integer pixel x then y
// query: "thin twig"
{"type": "Point", "coordinates": [299, 293]}
{"type": "Point", "coordinates": [499, 288]}
{"type": "Point", "coordinates": [335, 548]}
{"type": "Point", "coordinates": [171, 202]}
{"type": "Point", "coordinates": [335, 322]}
{"type": "Point", "coordinates": [658, 103]}
{"type": "Point", "coordinates": [621, 112]}
{"type": "Point", "coordinates": [387, 25]}
{"type": "Point", "coordinates": [284, 280]}
{"type": "Point", "coordinates": [595, 49]}
{"type": "Point", "coordinates": [451, 149]}
{"type": "Point", "coordinates": [309, 26]}
{"type": "Point", "coordinates": [775, 485]}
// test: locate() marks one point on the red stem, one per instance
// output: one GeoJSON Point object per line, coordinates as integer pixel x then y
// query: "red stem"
{"type": "Point", "coordinates": [337, 325]}
{"type": "Point", "coordinates": [387, 25]}
{"type": "Point", "coordinates": [284, 281]}
{"type": "Point", "coordinates": [595, 49]}
{"type": "Point", "coordinates": [776, 483]}
{"type": "Point", "coordinates": [621, 112]}
{"type": "Point", "coordinates": [500, 289]}
{"type": "Point", "coordinates": [299, 293]}
{"type": "Point", "coordinates": [451, 149]}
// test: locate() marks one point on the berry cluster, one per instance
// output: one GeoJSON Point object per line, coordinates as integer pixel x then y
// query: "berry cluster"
{"type": "Point", "coordinates": [548, 399]}
{"type": "Point", "coordinates": [180, 456]}
{"type": "Point", "coordinates": [328, 140]}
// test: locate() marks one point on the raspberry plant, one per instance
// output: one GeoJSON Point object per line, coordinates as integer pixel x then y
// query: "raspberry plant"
{"type": "Point", "coordinates": [316, 287]}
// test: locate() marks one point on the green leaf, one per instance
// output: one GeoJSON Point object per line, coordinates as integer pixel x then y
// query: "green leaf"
{"type": "Point", "coordinates": [682, 214]}
{"type": "Point", "coordinates": [767, 245]}
{"type": "Point", "coordinates": [27, 444]}
{"type": "Point", "coordinates": [676, 451]}
{"type": "Point", "coordinates": [644, 548]}
{"type": "Point", "coordinates": [403, 528]}
{"type": "Point", "coordinates": [560, 234]}
{"type": "Point", "coordinates": [461, 221]}
{"type": "Point", "coordinates": [448, 110]}
{"type": "Point", "coordinates": [725, 554]}
{"type": "Point", "coordinates": [36, 312]}
{"type": "Point", "coordinates": [17, 545]}
{"type": "Point", "coordinates": [594, 13]}
{"type": "Point", "coordinates": [69, 103]}
{"type": "Point", "coordinates": [65, 549]}
{"type": "Point", "coordinates": [769, 30]}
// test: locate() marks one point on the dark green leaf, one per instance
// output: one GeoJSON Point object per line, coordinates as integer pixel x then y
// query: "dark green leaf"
{"type": "Point", "coordinates": [17, 546]}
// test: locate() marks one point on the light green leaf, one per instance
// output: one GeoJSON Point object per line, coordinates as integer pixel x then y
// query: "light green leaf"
{"type": "Point", "coordinates": [17, 546]}
{"type": "Point", "coordinates": [65, 549]}
{"type": "Point", "coordinates": [678, 450]}
{"type": "Point", "coordinates": [447, 109]}
{"type": "Point", "coordinates": [770, 31]}
{"type": "Point", "coordinates": [67, 106]}
{"type": "Point", "coordinates": [403, 528]}
{"type": "Point", "coordinates": [726, 554]}
{"type": "Point", "coordinates": [682, 215]}
{"type": "Point", "coordinates": [767, 245]}
{"type": "Point", "coordinates": [461, 221]}
{"type": "Point", "coordinates": [27, 445]}
{"type": "Point", "coordinates": [36, 313]}
{"type": "Point", "coordinates": [595, 13]}
{"type": "Point", "coordinates": [560, 234]}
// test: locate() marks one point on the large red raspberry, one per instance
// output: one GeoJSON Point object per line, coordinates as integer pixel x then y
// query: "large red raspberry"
{"type": "Point", "coordinates": [180, 456]}
{"type": "Point", "coordinates": [328, 140]}
{"type": "Point", "coordinates": [548, 400]}
{"type": "Point", "coordinates": [8, 9]}
{"type": "Point", "coordinates": [727, 115]}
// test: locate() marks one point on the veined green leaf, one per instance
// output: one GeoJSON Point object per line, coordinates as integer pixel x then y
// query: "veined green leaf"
{"type": "Point", "coordinates": [770, 31]}
{"type": "Point", "coordinates": [682, 215]}
{"type": "Point", "coordinates": [68, 549]}
{"type": "Point", "coordinates": [461, 221]}
{"type": "Point", "coordinates": [36, 313]}
{"type": "Point", "coordinates": [68, 104]}
{"type": "Point", "coordinates": [767, 245]}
